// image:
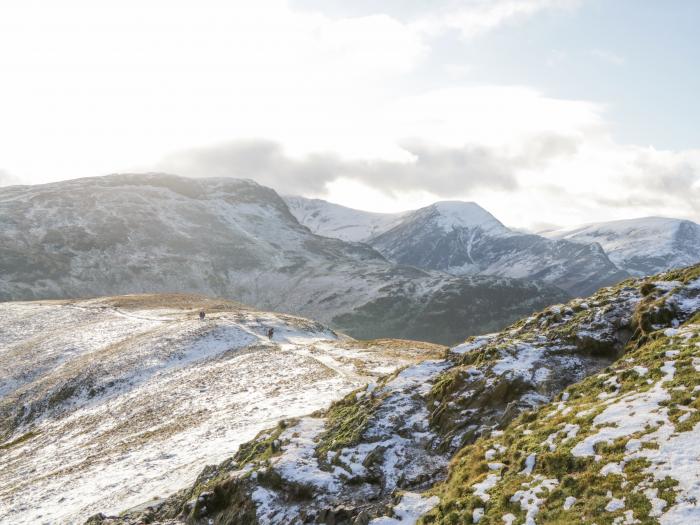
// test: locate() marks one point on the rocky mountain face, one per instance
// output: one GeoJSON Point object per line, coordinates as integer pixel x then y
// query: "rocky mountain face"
{"type": "Point", "coordinates": [464, 239]}
{"type": "Point", "coordinates": [461, 238]}
{"type": "Point", "coordinates": [587, 412]}
{"type": "Point", "coordinates": [235, 239]}
{"type": "Point", "coordinates": [641, 246]}
{"type": "Point", "coordinates": [108, 403]}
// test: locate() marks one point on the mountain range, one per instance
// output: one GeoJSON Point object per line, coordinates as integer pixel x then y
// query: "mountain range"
{"type": "Point", "coordinates": [461, 238]}
{"type": "Point", "coordinates": [238, 240]}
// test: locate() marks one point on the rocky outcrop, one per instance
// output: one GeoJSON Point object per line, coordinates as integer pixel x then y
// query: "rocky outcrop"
{"type": "Point", "coordinates": [618, 447]}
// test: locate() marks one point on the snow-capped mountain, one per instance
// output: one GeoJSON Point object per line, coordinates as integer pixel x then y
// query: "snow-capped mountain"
{"type": "Point", "coordinates": [111, 402]}
{"type": "Point", "coordinates": [234, 239]}
{"type": "Point", "coordinates": [462, 238]}
{"type": "Point", "coordinates": [587, 412]}
{"type": "Point", "coordinates": [641, 246]}
{"type": "Point", "coordinates": [333, 220]}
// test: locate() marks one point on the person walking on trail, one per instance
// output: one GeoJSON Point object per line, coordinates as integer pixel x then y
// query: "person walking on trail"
{"type": "Point", "coordinates": [201, 315]}
{"type": "Point", "coordinates": [270, 333]}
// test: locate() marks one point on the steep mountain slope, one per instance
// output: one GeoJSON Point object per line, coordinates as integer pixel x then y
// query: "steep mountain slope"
{"type": "Point", "coordinates": [228, 238]}
{"type": "Point", "coordinates": [107, 403]}
{"type": "Point", "coordinates": [485, 434]}
{"type": "Point", "coordinates": [641, 246]}
{"type": "Point", "coordinates": [621, 447]}
{"type": "Point", "coordinates": [333, 220]}
{"type": "Point", "coordinates": [462, 238]}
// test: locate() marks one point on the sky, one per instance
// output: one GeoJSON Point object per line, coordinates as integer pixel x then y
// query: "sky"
{"type": "Point", "coordinates": [547, 113]}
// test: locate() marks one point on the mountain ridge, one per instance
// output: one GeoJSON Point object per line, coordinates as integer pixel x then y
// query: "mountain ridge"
{"type": "Point", "coordinates": [232, 238]}
{"type": "Point", "coordinates": [641, 246]}
{"type": "Point", "coordinates": [462, 238]}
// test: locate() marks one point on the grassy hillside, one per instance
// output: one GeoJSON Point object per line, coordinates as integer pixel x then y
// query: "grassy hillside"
{"type": "Point", "coordinates": [528, 425]}
{"type": "Point", "coordinates": [618, 447]}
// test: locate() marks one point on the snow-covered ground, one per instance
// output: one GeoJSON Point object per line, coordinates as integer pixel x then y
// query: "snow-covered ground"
{"type": "Point", "coordinates": [106, 406]}
{"type": "Point", "coordinates": [398, 431]}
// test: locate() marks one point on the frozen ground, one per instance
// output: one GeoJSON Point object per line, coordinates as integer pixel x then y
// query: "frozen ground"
{"type": "Point", "coordinates": [109, 403]}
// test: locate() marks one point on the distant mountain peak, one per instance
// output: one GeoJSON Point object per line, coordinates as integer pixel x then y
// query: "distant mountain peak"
{"type": "Point", "coordinates": [462, 238]}
{"type": "Point", "coordinates": [462, 214]}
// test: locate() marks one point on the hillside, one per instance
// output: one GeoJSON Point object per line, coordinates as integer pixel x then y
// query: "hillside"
{"type": "Point", "coordinates": [461, 238]}
{"type": "Point", "coordinates": [155, 233]}
{"type": "Point", "coordinates": [641, 246]}
{"type": "Point", "coordinates": [109, 402]}
{"type": "Point", "coordinates": [584, 411]}
{"type": "Point", "coordinates": [620, 447]}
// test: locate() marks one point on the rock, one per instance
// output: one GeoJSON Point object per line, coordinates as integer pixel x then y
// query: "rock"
{"type": "Point", "coordinates": [361, 519]}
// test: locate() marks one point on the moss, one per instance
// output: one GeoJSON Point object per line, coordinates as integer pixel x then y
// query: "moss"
{"type": "Point", "coordinates": [346, 420]}
{"type": "Point", "coordinates": [684, 275]}
{"type": "Point", "coordinates": [263, 447]}
{"type": "Point", "coordinates": [647, 288]}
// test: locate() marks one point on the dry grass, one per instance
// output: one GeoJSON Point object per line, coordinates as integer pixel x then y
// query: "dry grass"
{"type": "Point", "coordinates": [417, 350]}
{"type": "Point", "coordinates": [172, 300]}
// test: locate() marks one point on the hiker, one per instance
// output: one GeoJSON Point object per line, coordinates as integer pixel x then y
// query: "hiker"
{"type": "Point", "coordinates": [201, 315]}
{"type": "Point", "coordinates": [270, 333]}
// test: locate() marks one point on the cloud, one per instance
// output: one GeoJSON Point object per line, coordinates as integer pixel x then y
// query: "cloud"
{"type": "Point", "coordinates": [548, 179]}
{"type": "Point", "coordinates": [261, 160]}
{"type": "Point", "coordinates": [360, 96]}
{"type": "Point", "coordinates": [667, 178]}
{"type": "Point", "coordinates": [436, 169]}
{"type": "Point", "coordinates": [607, 181]}
{"type": "Point", "coordinates": [653, 182]}
{"type": "Point", "coordinates": [157, 78]}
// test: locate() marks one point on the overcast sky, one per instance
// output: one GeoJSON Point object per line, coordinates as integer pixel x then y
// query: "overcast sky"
{"type": "Point", "coordinates": [545, 112]}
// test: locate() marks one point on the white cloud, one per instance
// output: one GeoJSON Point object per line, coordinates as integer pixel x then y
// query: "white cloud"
{"type": "Point", "coordinates": [100, 87]}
